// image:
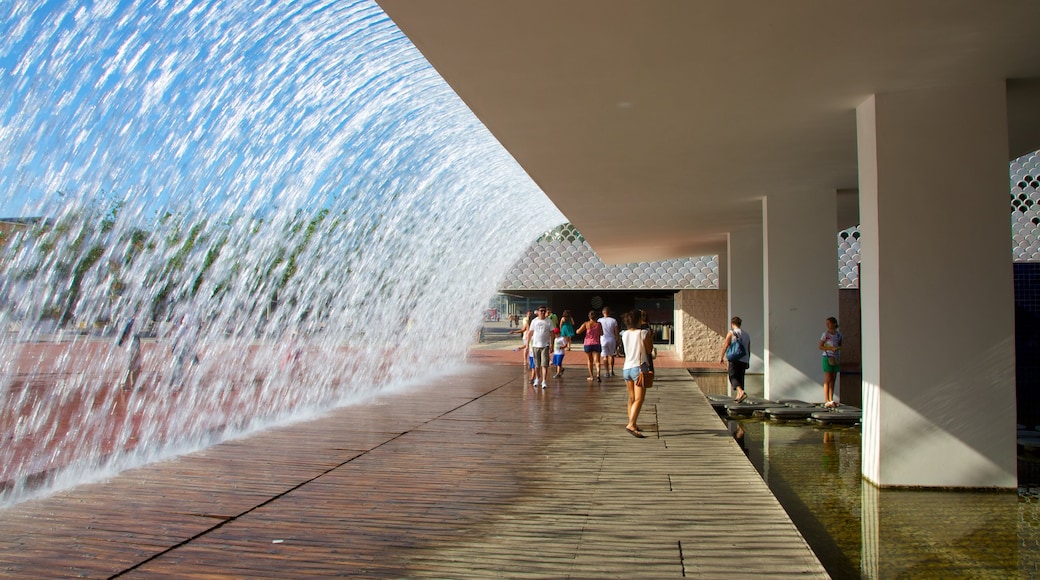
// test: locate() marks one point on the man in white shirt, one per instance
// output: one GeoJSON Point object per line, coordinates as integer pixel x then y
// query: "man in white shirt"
{"type": "Point", "coordinates": [609, 340]}
{"type": "Point", "coordinates": [541, 341]}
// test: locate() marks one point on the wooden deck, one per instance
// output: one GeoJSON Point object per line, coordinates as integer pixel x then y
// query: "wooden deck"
{"type": "Point", "coordinates": [478, 475]}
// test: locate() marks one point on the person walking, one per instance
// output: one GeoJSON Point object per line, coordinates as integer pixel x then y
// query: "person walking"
{"type": "Point", "coordinates": [567, 327]}
{"type": "Point", "coordinates": [559, 349]}
{"type": "Point", "coordinates": [644, 324]}
{"type": "Point", "coordinates": [541, 341]}
{"type": "Point", "coordinates": [609, 341]}
{"type": "Point", "coordinates": [636, 371]}
{"type": "Point", "coordinates": [830, 344]}
{"type": "Point", "coordinates": [592, 330]}
{"type": "Point", "coordinates": [738, 357]}
{"type": "Point", "coordinates": [522, 329]}
{"type": "Point", "coordinates": [530, 358]}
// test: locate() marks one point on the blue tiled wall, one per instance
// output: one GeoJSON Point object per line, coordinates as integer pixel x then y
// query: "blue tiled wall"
{"type": "Point", "coordinates": [1027, 341]}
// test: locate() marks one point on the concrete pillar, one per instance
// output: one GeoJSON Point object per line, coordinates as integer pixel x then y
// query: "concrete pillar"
{"type": "Point", "coordinates": [800, 290]}
{"type": "Point", "coordinates": [744, 258]}
{"type": "Point", "coordinates": [700, 324]}
{"type": "Point", "coordinates": [938, 326]}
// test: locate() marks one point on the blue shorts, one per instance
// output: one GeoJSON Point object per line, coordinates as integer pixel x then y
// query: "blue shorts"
{"type": "Point", "coordinates": [592, 348]}
{"type": "Point", "coordinates": [632, 374]}
{"type": "Point", "coordinates": [557, 360]}
{"type": "Point", "coordinates": [530, 361]}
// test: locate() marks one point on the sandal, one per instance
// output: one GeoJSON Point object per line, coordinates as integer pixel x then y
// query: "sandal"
{"type": "Point", "coordinates": [741, 398]}
{"type": "Point", "coordinates": [635, 433]}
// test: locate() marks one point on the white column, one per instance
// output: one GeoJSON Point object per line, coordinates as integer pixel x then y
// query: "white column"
{"type": "Point", "coordinates": [937, 289]}
{"type": "Point", "coordinates": [800, 290]}
{"type": "Point", "coordinates": [745, 288]}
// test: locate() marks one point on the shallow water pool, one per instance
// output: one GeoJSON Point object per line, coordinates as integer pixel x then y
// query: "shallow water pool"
{"type": "Point", "coordinates": [858, 530]}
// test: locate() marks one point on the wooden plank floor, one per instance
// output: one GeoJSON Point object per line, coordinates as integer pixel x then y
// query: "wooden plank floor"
{"type": "Point", "coordinates": [478, 475]}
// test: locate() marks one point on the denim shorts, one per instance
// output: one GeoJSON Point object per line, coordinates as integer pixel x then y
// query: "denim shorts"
{"type": "Point", "coordinates": [632, 374]}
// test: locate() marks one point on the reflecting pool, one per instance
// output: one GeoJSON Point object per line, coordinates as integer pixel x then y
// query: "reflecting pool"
{"type": "Point", "coordinates": [858, 530]}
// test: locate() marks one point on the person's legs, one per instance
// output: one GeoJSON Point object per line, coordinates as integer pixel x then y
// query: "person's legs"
{"type": "Point", "coordinates": [635, 395]}
{"type": "Point", "coordinates": [736, 380]}
{"type": "Point", "coordinates": [607, 356]}
{"type": "Point", "coordinates": [598, 364]}
{"type": "Point", "coordinates": [635, 399]}
{"type": "Point", "coordinates": [541, 362]}
{"type": "Point", "coordinates": [630, 386]}
{"type": "Point", "coordinates": [637, 404]}
{"type": "Point", "coordinates": [828, 389]}
{"type": "Point", "coordinates": [589, 355]}
{"type": "Point", "coordinates": [830, 372]}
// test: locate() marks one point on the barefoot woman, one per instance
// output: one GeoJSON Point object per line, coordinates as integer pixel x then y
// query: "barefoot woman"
{"type": "Point", "coordinates": [637, 343]}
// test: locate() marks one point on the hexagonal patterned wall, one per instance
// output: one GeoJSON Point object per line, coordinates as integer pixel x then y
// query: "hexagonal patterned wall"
{"type": "Point", "coordinates": [1025, 208]}
{"type": "Point", "coordinates": [848, 258]}
{"type": "Point", "coordinates": [562, 260]}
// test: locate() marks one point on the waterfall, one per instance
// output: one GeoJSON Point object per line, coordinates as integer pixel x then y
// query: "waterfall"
{"type": "Point", "coordinates": [249, 213]}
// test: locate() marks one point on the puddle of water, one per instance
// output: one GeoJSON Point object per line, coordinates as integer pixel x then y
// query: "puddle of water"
{"type": "Point", "coordinates": [859, 531]}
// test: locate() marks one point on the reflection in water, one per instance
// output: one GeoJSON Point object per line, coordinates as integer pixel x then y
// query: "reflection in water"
{"type": "Point", "coordinates": [737, 431]}
{"type": "Point", "coordinates": [858, 530]}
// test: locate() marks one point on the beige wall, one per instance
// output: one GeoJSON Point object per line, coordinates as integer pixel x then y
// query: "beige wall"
{"type": "Point", "coordinates": [700, 323]}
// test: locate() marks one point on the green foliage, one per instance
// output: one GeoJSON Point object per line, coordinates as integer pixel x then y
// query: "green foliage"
{"type": "Point", "coordinates": [179, 253]}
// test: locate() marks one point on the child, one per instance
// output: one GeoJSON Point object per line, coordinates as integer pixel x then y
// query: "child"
{"type": "Point", "coordinates": [530, 356]}
{"type": "Point", "coordinates": [559, 348]}
{"type": "Point", "coordinates": [830, 344]}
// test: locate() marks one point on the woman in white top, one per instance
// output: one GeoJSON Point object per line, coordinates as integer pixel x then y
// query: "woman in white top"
{"type": "Point", "coordinates": [636, 372]}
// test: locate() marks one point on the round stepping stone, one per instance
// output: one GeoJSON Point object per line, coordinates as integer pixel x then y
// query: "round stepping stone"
{"type": "Point", "coordinates": [1029, 441]}
{"type": "Point", "coordinates": [714, 398]}
{"type": "Point", "coordinates": [790, 413]}
{"type": "Point", "coordinates": [745, 409]}
{"type": "Point", "coordinates": [830, 417]}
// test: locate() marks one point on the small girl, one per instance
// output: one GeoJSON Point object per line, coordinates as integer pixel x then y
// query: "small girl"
{"type": "Point", "coordinates": [559, 348]}
{"type": "Point", "coordinates": [830, 344]}
{"type": "Point", "coordinates": [530, 356]}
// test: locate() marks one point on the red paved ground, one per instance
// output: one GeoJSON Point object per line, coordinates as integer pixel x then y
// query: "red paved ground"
{"type": "Point", "coordinates": [53, 448]}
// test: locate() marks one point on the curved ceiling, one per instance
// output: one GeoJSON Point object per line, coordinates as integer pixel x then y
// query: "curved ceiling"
{"type": "Point", "coordinates": [680, 115]}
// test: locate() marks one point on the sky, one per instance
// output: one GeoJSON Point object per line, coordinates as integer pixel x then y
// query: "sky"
{"type": "Point", "coordinates": [223, 106]}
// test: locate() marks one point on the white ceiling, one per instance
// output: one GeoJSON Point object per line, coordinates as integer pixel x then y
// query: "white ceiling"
{"type": "Point", "coordinates": [682, 114]}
